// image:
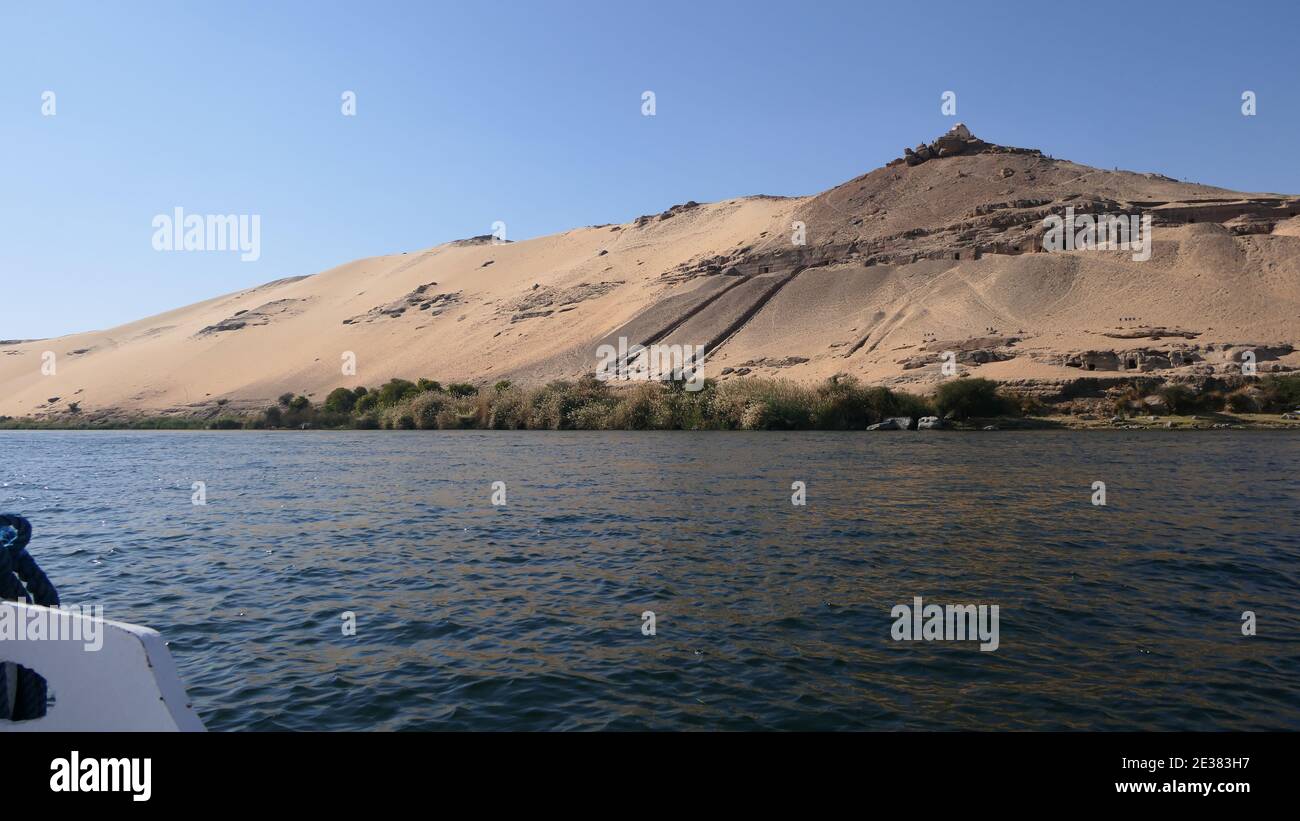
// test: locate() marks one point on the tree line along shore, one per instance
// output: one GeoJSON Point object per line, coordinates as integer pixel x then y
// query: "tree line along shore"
{"type": "Point", "coordinates": [841, 403]}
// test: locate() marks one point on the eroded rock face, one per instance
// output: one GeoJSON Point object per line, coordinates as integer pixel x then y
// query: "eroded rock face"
{"type": "Point", "coordinates": [542, 302]}
{"type": "Point", "coordinates": [481, 239]}
{"type": "Point", "coordinates": [419, 298]}
{"type": "Point", "coordinates": [974, 351]}
{"type": "Point", "coordinates": [1211, 358]}
{"type": "Point", "coordinates": [663, 215]}
{"type": "Point", "coordinates": [775, 362]}
{"type": "Point", "coordinates": [261, 315]}
{"type": "Point", "coordinates": [1152, 333]}
{"type": "Point", "coordinates": [957, 141]}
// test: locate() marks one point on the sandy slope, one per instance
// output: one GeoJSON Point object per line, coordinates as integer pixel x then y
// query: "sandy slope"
{"type": "Point", "coordinates": [876, 292]}
{"type": "Point", "coordinates": [167, 361]}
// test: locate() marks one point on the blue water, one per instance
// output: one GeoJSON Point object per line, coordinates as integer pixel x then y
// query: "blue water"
{"type": "Point", "coordinates": [768, 615]}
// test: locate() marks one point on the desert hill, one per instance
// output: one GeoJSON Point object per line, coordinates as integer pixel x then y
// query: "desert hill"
{"type": "Point", "coordinates": [940, 250]}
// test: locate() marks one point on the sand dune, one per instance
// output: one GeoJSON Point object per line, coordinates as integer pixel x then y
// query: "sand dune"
{"type": "Point", "coordinates": [899, 265]}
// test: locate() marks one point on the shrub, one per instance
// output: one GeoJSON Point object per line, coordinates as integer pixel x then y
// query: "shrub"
{"type": "Point", "coordinates": [1179, 399]}
{"type": "Point", "coordinates": [1241, 401]}
{"type": "Point", "coordinates": [909, 404]}
{"type": "Point", "coordinates": [841, 405]}
{"type": "Point", "coordinates": [693, 410]}
{"type": "Point", "coordinates": [765, 404]}
{"type": "Point", "coordinates": [340, 400]}
{"type": "Point", "coordinates": [299, 404]}
{"type": "Point", "coordinates": [459, 413]}
{"type": "Point", "coordinates": [638, 407]}
{"type": "Point", "coordinates": [596, 416]}
{"type": "Point", "coordinates": [366, 403]}
{"type": "Point", "coordinates": [509, 411]}
{"type": "Point", "coordinates": [461, 389]}
{"type": "Point", "coordinates": [326, 419]}
{"type": "Point", "coordinates": [424, 409]}
{"type": "Point", "coordinates": [225, 423]}
{"type": "Point", "coordinates": [427, 385]}
{"type": "Point", "coordinates": [1026, 404]}
{"type": "Point", "coordinates": [553, 406]}
{"type": "Point", "coordinates": [395, 391]}
{"type": "Point", "coordinates": [967, 397]}
{"type": "Point", "coordinates": [1212, 400]}
{"type": "Point", "coordinates": [273, 417]}
{"type": "Point", "coordinates": [1282, 392]}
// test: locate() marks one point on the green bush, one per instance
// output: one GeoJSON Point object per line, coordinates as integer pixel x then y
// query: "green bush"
{"type": "Point", "coordinates": [1178, 399]}
{"type": "Point", "coordinates": [1282, 392]}
{"type": "Point", "coordinates": [340, 400]}
{"type": "Point", "coordinates": [459, 413]}
{"type": "Point", "coordinates": [694, 410]}
{"type": "Point", "coordinates": [841, 404]}
{"type": "Point", "coordinates": [553, 406]}
{"type": "Point", "coordinates": [761, 404]}
{"type": "Point", "coordinates": [510, 410]}
{"type": "Point", "coordinates": [395, 391]}
{"type": "Point", "coordinates": [424, 409]}
{"type": "Point", "coordinates": [969, 397]}
{"type": "Point", "coordinates": [366, 403]}
{"type": "Point", "coordinates": [1241, 401]}
{"type": "Point", "coordinates": [642, 406]}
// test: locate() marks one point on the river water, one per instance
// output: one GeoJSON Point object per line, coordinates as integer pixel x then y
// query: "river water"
{"type": "Point", "coordinates": [529, 614]}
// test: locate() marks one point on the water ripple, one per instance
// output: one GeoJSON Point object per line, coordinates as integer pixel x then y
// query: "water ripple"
{"type": "Point", "coordinates": [768, 615]}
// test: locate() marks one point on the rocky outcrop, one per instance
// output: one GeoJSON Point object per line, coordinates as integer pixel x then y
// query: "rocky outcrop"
{"type": "Point", "coordinates": [973, 351]}
{"type": "Point", "coordinates": [481, 239]}
{"type": "Point", "coordinates": [1152, 333]}
{"type": "Point", "coordinates": [894, 423]}
{"type": "Point", "coordinates": [541, 302]}
{"type": "Point", "coordinates": [957, 141]}
{"type": "Point", "coordinates": [261, 315]}
{"type": "Point", "coordinates": [663, 215]}
{"type": "Point", "coordinates": [774, 362]}
{"type": "Point", "coordinates": [420, 298]}
{"type": "Point", "coordinates": [1211, 358]}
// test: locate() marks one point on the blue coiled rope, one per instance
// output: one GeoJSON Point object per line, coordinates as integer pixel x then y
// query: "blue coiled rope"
{"type": "Point", "coordinates": [21, 579]}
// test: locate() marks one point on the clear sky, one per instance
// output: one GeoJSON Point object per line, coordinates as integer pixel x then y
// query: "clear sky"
{"type": "Point", "coordinates": [529, 112]}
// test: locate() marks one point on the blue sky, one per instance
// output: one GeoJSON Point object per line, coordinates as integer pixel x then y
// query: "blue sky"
{"type": "Point", "coordinates": [530, 113]}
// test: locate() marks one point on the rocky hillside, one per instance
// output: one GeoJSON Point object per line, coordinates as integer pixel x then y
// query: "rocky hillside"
{"type": "Point", "coordinates": [938, 251]}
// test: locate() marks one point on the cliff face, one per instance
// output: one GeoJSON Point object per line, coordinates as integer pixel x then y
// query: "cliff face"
{"type": "Point", "coordinates": [939, 251]}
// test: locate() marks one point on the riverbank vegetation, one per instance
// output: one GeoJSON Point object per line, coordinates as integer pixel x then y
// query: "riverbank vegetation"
{"type": "Point", "coordinates": [740, 404]}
